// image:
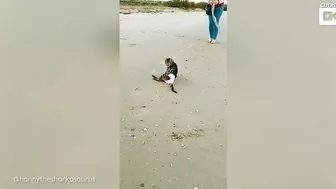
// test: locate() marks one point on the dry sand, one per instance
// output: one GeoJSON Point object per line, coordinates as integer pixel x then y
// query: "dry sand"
{"type": "Point", "coordinates": [150, 158]}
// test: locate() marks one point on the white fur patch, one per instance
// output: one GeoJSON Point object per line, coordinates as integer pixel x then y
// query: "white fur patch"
{"type": "Point", "coordinates": [171, 80]}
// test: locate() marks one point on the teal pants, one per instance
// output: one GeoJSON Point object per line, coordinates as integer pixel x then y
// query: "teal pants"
{"type": "Point", "coordinates": [213, 30]}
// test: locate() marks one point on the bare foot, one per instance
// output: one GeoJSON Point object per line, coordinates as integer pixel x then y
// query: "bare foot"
{"type": "Point", "coordinates": [213, 41]}
{"type": "Point", "coordinates": [209, 41]}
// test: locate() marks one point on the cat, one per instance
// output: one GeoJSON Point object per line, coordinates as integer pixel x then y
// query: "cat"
{"type": "Point", "coordinates": [170, 75]}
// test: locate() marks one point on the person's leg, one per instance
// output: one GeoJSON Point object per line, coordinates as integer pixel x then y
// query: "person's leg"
{"type": "Point", "coordinates": [218, 14]}
{"type": "Point", "coordinates": [211, 27]}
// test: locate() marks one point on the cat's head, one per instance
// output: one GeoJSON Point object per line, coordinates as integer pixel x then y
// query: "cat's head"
{"type": "Point", "coordinates": [169, 61]}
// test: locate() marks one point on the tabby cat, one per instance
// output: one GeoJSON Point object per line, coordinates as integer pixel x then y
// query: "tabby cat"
{"type": "Point", "coordinates": [170, 75]}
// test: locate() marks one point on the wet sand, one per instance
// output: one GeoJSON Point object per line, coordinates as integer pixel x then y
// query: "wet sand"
{"type": "Point", "coordinates": [196, 154]}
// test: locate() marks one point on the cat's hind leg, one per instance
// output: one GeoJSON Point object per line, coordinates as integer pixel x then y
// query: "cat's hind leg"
{"type": "Point", "coordinates": [155, 78]}
{"type": "Point", "coordinates": [172, 88]}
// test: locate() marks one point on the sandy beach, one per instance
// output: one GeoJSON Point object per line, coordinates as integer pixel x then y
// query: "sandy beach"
{"type": "Point", "coordinates": [168, 140]}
